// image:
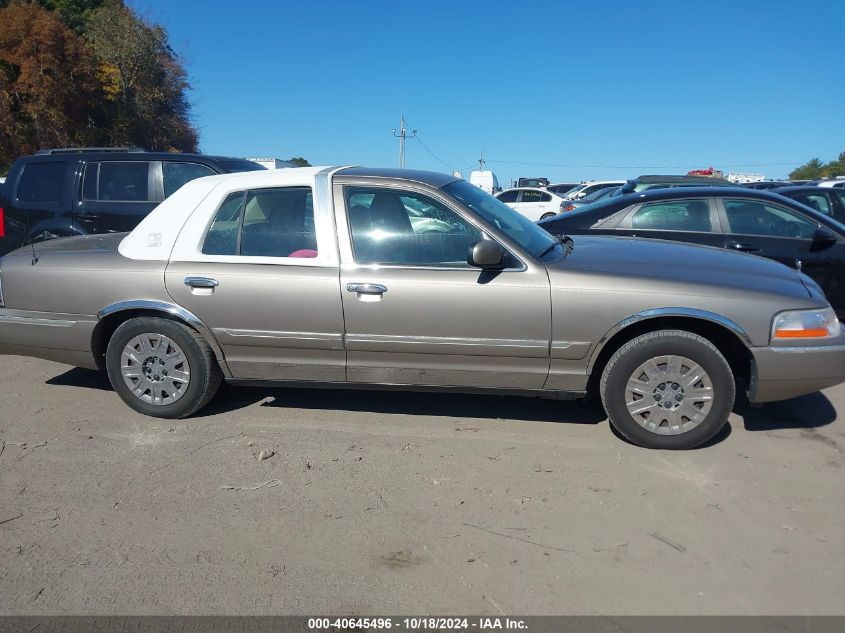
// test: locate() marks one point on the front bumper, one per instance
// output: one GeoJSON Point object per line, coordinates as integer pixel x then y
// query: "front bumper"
{"type": "Point", "coordinates": [781, 373]}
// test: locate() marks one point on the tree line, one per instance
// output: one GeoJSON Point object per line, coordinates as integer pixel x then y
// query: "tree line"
{"type": "Point", "coordinates": [815, 169]}
{"type": "Point", "coordinates": [88, 73]}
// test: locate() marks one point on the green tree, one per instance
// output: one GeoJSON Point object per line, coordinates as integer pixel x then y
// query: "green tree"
{"type": "Point", "coordinates": [835, 167]}
{"type": "Point", "coordinates": [812, 170]}
{"type": "Point", "coordinates": [144, 83]}
{"type": "Point", "coordinates": [299, 162]}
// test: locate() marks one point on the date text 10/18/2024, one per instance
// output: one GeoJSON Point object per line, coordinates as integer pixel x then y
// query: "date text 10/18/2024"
{"type": "Point", "coordinates": [417, 624]}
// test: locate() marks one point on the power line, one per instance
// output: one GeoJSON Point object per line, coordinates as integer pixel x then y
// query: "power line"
{"type": "Point", "coordinates": [513, 162]}
{"type": "Point", "coordinates": [433, 155]}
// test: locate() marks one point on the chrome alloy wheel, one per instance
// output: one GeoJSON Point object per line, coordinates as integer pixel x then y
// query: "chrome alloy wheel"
{"type": "Point", "coordinates": [669, 395]}
{"type": "Point", "coordinates": [155, 369]}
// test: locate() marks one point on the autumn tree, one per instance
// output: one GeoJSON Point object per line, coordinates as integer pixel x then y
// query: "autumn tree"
{"type": "Point", "coordinates": [88, 72]}
{"type": "Point", "coordinates": [48, 85]}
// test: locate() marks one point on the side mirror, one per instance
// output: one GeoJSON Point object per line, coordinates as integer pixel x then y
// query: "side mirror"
{"type": "Point", "coordinates": [486, 254]}
{"type": "Point", "coordinates": [822, 238]}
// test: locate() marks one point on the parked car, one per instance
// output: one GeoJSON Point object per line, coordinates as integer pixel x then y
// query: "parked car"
{"type": "Point", "coordinates": [643, 183]}
{"type": "Point", "coordinates": [827, 200]}
{"type": "Point", "coordinates": [837, 183]}
{"type": "Point", "coordinates": [586, 188]}
{"type": "Point", "coordinates": [316, 276]}
{"type": "Point", "coordinates": [734, 218]}
{"type": "Point", "coordinates": [532, 202]}
{"type": "Point", "coordinates": [560, 188]}
{"type": "Point", "coordinates": [77, 191]}
{"type": "Point", "coordinates": [766, 184]}
{"type": "Point", "coordinates": [598, 194]}
{"type": "Point", "coordinates": [532, 182]}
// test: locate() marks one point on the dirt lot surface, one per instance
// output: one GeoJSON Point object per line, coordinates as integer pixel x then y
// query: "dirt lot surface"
{"type": "Point", "coordinates": [407, 503]}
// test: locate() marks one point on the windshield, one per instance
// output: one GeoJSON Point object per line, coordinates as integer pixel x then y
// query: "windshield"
{"type": "Point", "coordinates": [517, 227]}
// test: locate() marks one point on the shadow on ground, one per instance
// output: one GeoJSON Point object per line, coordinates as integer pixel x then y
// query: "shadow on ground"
{"type": "Point", "coordinates": [807, 412]}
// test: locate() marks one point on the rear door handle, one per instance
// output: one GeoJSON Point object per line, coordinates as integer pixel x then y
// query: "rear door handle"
{"type": "Point", "coordinates": [201, 282]}
{"type": "Point", "coordinates": [367, 289]}
{"type": "Point", "coordinates": [745, 247]}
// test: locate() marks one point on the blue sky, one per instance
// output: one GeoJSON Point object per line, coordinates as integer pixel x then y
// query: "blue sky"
{"type": "Point", "coordinates": [582, 89]}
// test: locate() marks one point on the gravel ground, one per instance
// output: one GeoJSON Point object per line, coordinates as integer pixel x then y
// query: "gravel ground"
{"type": "Point", "coordinates": [377, 503]}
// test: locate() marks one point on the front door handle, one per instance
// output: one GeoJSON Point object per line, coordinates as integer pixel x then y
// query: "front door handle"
{"type": "Point", "coordinates": [87, 216]}
{"type": "Point", "coordinates": [201, 282]}
{"type": "Point", "coordinates": [745, 247]}
{"type": "Point", "coordinates": [367, 289]}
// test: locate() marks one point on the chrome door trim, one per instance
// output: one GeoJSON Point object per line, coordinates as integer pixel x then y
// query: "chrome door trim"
{"type": "Point", "coordinates": [671, 312]}
{"type": "Point", "coordinates": [37, 321]}
{"type": "Point", "coordinates": [334, 340]}
{"type": "Point", "coordinates": [174, 310]}
{"type": "Point", "coordinates": [401, 343]}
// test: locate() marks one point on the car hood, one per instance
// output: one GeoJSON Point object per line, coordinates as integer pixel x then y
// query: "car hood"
{"type": "Point", "coordinates": [633, 264]}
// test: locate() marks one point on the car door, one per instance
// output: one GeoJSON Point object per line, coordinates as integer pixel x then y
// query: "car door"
{"type": "Point", "coordinates": [115, 195]}
{"type": "Point", "coordinates": [683, 220]}
{"type": "Point", "coordinates": [416, 313]}
{"type": "Point", "coordinates": [264, 279]}
{"type": "Point", "coordinates": [786, 235]}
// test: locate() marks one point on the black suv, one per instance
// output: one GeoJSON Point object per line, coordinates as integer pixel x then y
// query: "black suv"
{"type": "Point", "coordinates": [79, 191]}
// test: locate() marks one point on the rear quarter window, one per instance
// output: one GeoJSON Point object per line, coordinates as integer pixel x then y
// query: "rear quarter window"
{"type": "Point", "coordinates": [42, 182]}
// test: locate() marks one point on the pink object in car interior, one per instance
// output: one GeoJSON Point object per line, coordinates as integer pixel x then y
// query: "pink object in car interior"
{"type": "Point", "coordinates": [304, 252]}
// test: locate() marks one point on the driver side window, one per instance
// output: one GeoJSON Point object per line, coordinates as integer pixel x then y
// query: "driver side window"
{"type": "Point", "coordinates": [392, 226]}
{"type": "Point", "coordinates": [751, 217]}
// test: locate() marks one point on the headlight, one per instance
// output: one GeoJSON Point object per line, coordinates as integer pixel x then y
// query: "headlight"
{"type": "Point", "coordinates": [806, 324]}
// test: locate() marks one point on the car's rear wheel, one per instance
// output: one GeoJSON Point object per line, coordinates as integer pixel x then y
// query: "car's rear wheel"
{"type": "Point", "coordinates": [545, 216]}
{"type": "Point", "coordinates": [161, 368]}
{"type": "Point", "coordinates": [669, 389]}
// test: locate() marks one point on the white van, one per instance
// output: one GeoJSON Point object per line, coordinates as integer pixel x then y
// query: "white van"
{"type": "Point", "coordinates": [485, 179]}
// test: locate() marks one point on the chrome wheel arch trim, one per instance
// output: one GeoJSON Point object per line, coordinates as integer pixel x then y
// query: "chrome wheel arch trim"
{"type": "Point", "coordinates": [692, 313]}
{"type": "Point", "coordinates": [186, 316]}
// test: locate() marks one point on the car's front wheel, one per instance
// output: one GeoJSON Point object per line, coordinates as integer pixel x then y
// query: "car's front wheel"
{"type": "Point", "coordinates": [669, 389]}
{"type": "Point", "coordinates": [546, 216]}
{"type": "Point", "coordinates": [161, 368]}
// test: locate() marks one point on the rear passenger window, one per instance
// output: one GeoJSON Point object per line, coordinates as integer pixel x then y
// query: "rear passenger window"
{"type": "Point", "coordinates": [674, 215]}
{"type": "Point", "coordinates": [222, 236]}
{"type": "Point", "coordinates": [42, 182]}
{"type": "Point", "coordinates": [275, 222]}
{"type": "Point", "coordinates": [815, 201]}
{"type": "Point", "coordinates": [177, 174]}
{"type": "Point", "coordinates": [117, 181]}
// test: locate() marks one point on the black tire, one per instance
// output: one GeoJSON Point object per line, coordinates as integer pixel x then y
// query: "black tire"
{"type": "Point", "coordinates": [547, 215]}
{"type": "Point", "coordinates": [640, 350]}
{"type": "Point", "coordinates": [205, 374]}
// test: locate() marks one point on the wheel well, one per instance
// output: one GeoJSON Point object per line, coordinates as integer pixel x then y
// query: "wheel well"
{"type": "Point", "coordinates": [727, 342]}
{"type": "Point", "coordinates": [107, 326]}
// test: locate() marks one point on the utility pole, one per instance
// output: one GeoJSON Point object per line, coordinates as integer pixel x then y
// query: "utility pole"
{"type": "Point", "coordinates": [403, 134]}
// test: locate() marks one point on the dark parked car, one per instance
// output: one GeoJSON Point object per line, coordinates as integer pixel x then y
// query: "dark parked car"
{"type": "Point", "coordinates": [561, 188]}
{"type": "Point", "coordinates": [828, 200]}
{"type": "Point", "coordinates": [643, 183]}
{"type": "Point", "coordinates": [766, 184]}
{"type": "Point", "coordinates": [79, 191]}
{"type": "Point", "coordinates": [735, 218]}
